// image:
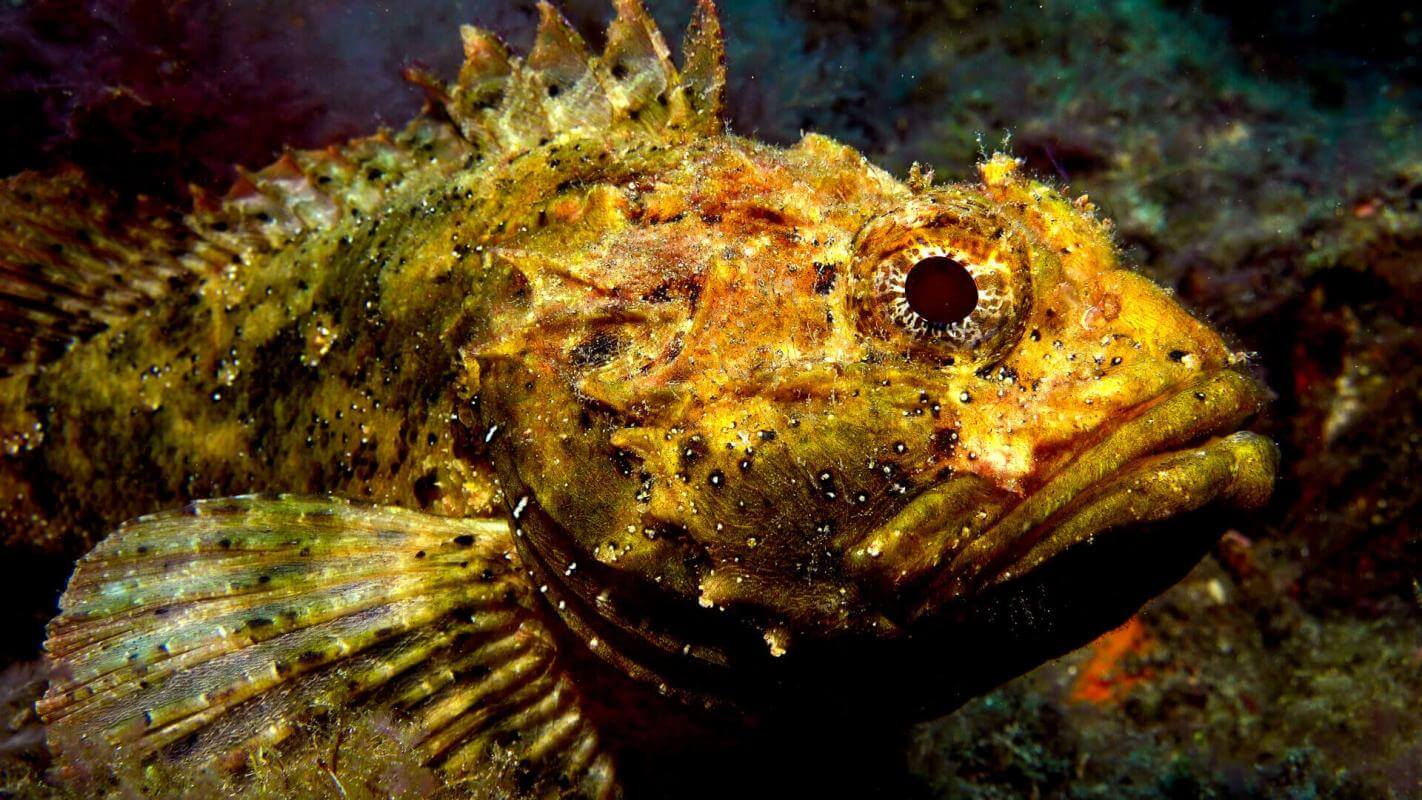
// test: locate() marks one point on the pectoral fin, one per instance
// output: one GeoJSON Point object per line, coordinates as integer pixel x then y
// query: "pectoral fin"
{"type": "Point", "coordinates": [202, 635]}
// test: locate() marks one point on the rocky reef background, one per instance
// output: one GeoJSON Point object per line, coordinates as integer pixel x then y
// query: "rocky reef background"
{"type": "Point", "coordinates": [1264, 160]}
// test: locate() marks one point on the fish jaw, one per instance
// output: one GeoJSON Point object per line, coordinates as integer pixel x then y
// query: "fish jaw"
{"type": "Point", "coordinates": [1177, 453]}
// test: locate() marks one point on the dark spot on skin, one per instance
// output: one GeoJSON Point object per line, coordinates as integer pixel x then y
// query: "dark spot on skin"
{"type": "Point", "coordinates": [673, 350]}
{"type": "Point", "coordinates": [943, 442]}
{"type": "Point", "coordinates": [766, 436]}
{"type": "Point", "coordinates": [464, 540]}
{"type": "Point", "coordinates": [259, 622]}
{"type": "Point", "coordinates": [770, 216]}
{"type": "Point", "coordinates": [693, 449]}
{"type": "Point", "coordinates": [594, 351]}
{"type": "Point", "coordinates": [311, 657]}
{"type": "Point", "coordinates": [519, 288]}
{"type": "Point", "coordinates": [1177, 355]}
{"type": "Point", "coordinates": [427, 489]}
{"type": "Point", "coordinates": [554, 90]}
{"type": "Point", "coordinates": [466, 442]}
{"type": "Point", "coordinates": [265, 579]}
{"type": "Point", "coordinates": [624, 461]}
{"type": "Point", "coordinates": [305, 551]}
{"type": "Point", "coordinates": [420, 554]}
{"type": "Point", "coordinates": [661, 294]}
{"type": "Point", "coordinates": [225, 544]}
{"type": "Point", "coordinates": [824, 278]}
{"type": "Point", "coordinates": [665, 530]}
{"type": "Point", "coordinates": [1199, 396]}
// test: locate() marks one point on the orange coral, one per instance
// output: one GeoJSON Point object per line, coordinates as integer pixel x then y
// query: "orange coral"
{"type": "Point", "coordinates": [1107, 678]}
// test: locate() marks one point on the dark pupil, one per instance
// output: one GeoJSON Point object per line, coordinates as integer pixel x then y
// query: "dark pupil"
{"type": "Point", "coordinates": [941, 290]}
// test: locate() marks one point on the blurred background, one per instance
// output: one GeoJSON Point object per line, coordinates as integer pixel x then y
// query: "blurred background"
{"type": "Point", "coordinates": [1262, 159]}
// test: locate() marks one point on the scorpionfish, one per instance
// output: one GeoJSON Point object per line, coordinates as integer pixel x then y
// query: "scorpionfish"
{"type": "Point", "coordinates": [563, 429]}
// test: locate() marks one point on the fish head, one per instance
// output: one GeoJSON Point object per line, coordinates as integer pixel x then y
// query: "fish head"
{"type": "Point", "coordinates": [778, 396]}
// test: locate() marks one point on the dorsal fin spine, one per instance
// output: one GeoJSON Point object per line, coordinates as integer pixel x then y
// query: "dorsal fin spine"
{"type": "Point", "coordinates": [69, 273]}
{"type": "Point", "coordinates": [506, 105]}
{"type": "Point", "coordinates": [704, 63]}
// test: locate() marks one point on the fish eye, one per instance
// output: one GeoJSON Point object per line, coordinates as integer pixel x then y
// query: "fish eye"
{"type": "Point", "coordinates": [940, 290]}
{"type": "Point", "coordinates": [946, 281]}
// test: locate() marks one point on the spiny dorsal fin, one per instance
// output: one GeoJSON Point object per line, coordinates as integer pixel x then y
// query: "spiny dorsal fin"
{"type": "Point", "coordinates": [73, 260]}
{"type": "Point", "coordinates": [198, 637]}
{"type": "Point", "coordinates": [505, 105]}
{"type": "Point", "coordinates": [639, 61]}
{"type": "Point", "coordinates": [704, 62]}
{"type": "Point", "coordinates": [577, 95]}
{"type": "Point", "coordinates": [72, 266]}
{"type": "Point", "coordinates": [314, 189]}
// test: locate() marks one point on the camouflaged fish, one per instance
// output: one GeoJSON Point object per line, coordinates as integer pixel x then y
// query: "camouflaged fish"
{"type": "Point", "coordinates": [563, 422]}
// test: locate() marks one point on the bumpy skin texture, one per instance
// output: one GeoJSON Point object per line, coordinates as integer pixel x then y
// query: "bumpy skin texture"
{"type": "Point", "coordinates": [704, 416]}
{"type": "Point", "coordinates": [737, 466]}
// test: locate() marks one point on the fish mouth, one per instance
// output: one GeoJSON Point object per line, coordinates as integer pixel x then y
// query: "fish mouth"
{"type": "Point", "coordinates": [1176, 453]}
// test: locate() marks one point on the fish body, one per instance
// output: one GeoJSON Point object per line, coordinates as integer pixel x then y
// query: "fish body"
{"type": "Point", "coordinates": [564, 420]}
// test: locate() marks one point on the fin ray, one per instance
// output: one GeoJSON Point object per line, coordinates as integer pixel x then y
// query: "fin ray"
{"type": "Point", "coordinates": [199, 635]}
{"type": "Point", "coordinates": [74, 259]}
{"type": "Point", "coordinates": [505, 105]}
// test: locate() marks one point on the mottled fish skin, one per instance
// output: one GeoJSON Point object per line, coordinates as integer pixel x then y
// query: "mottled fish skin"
{"type": "Point", "coordinates": [739, 462]}
{"type": "Point", "coordinates": [312, 369]}
{"type": "Point", "coordinates": [334, 364]}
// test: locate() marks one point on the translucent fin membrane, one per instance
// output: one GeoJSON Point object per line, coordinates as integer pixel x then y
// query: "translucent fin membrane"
{"type": "Point", "coordinates": [199, 636]}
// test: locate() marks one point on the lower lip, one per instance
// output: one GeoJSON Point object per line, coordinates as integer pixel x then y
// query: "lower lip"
{"type": "Point", "coordinates": [1212, 405]}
